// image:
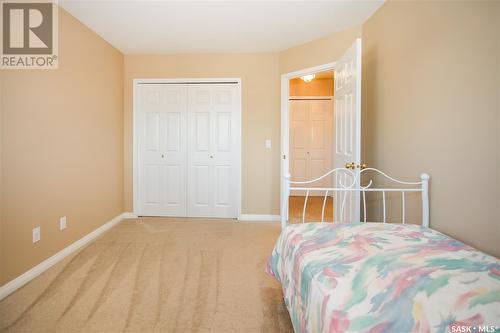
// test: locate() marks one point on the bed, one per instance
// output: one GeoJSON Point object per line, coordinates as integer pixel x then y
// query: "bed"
{"type": "Point", "coordinates": [382, 277]}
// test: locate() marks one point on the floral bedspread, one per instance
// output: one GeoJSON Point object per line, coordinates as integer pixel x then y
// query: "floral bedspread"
{"type": "Point", "coordinates": [374, 277]}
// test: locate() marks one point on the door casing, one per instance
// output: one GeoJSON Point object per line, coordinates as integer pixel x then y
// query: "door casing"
{"type": "Point", "coordinates": [135, 148]}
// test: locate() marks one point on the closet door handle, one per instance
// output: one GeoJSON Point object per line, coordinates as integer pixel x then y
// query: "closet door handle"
{"type": "Point", "coordinates": [211, 156]}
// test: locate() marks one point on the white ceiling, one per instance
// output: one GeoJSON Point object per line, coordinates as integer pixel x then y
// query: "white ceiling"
{"type": "Point", "coordinates": [151, 27]}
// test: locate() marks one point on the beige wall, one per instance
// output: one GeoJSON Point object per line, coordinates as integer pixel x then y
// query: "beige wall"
{"type": "Point", "coordinates": [430, 103]}
{"type": "Point", "coordinates": [62, 146]}
{"type": "Point", "coordinates": [260, 116]}
{"type": "Point", "coordinates": [317, 87]}
{"type": "Point", "coordinates": [318, 52]}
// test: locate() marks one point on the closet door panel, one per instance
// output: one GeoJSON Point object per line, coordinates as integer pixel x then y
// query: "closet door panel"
{"type": "Point", "coordinates": [223, 128]}
{"type": "Point", "coordinates": [223, 186]}
{"type": "Point", "coordinates": [152, 132]}
{"type": "Point", "coordinates": [201, 181]}
{"type": "Point", "coordinates": [174, 150]}
{"type": "Point", "coordinates": [224, 149]}
{"type": "Point", "coordinates": [300, 133]}
{"type": "Point", "coordinates": [212, 140]}
{"type": "Point", "coordinates": [173, 135]}
{"type": "Point", "coordinates": [162, 149]}
{"type": "Point", "coordinates": [151, 184]}
{"type": "Point", "coordinates": [199, 143]}
{"type": "Point", "coordinates": [321, 148]}
{"type": "Point", "coordinates": [174, 191]}
{"type": "Point", "coordinates": [201, 131]}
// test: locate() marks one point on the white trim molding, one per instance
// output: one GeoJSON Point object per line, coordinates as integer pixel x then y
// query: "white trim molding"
{"type": "Point", "coordinates": [129, 215]}
{"type": "Point", "coordinates": [259, 218]}
{"type": "Point", "coordinates": [26, 277]}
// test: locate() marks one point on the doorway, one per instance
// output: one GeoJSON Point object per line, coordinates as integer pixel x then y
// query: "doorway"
{"type": "Point", "coordinates": [311, 135]}
{"type": "Point", "coordinates": [346, 143]}
{"type": "Point", "coordinates": [187, 147]}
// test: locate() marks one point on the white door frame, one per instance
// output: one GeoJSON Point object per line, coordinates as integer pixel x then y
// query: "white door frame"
{"type": "Point", "coordinates": [285, 118]}
{"type": "Point", "coordinates": [135, 156]}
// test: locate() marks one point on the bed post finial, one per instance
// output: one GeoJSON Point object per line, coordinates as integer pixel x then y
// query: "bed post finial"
{"type": "Point", "coordinates": [286, 195]}
{"type": "Point", "coordinates": [425, 199]}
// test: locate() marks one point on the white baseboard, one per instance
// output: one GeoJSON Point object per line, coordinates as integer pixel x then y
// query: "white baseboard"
{"type": "Point", "coordinates": [129, 215]}
{"type": "Point", "coordinates": [21, 280]}
{"type": "Point", "coordinates": [259, 217]}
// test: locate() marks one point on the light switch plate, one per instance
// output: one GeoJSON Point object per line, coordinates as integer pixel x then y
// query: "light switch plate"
{"type": "Point", "coordinates": [268, 143]}
{"type": "Point", "coordinates": [62, 223]}
{"type": "Point", "coordinates": [36, 234]}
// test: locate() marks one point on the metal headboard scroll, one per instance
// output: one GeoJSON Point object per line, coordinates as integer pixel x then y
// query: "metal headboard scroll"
{"type": "Point", "coordinates": [355, 185]}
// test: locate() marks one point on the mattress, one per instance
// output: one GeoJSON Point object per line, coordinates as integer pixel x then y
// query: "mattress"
{"type": "Point", "coordinates": [375, 277]}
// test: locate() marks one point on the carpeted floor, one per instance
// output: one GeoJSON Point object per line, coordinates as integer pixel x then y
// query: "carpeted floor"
{"type": "Point", "coordinates": [158, 275]}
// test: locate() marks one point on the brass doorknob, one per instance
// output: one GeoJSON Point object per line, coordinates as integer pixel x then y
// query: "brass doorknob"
{"type": "Point", "coordinates": [361, 166]}
{"type": "Point", "coordinates": [350, 166]}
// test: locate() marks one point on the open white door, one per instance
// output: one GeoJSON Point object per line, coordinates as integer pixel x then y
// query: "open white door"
{"type": "Point", "coordinates": [347, 140]}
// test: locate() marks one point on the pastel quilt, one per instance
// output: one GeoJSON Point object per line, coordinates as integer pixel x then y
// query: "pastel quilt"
{"type": "Point", "coordinates": [374, 277]}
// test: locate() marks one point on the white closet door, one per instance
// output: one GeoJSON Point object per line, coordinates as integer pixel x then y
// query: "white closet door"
{"type": "Point", "coordinates": [212, 155]}
{"type": "Point", "coordinates": [320, 149]}
{"type": "Point", "coordinates": [311, 141]}
{"type": "Point", "coordinates": [162, 149]}
{"type": "Point", "coordinates": [300, 138]}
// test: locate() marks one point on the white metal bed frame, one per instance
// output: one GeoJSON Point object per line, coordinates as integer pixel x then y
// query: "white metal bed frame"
{"type": "Point", "coordinates": [422, 186]}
